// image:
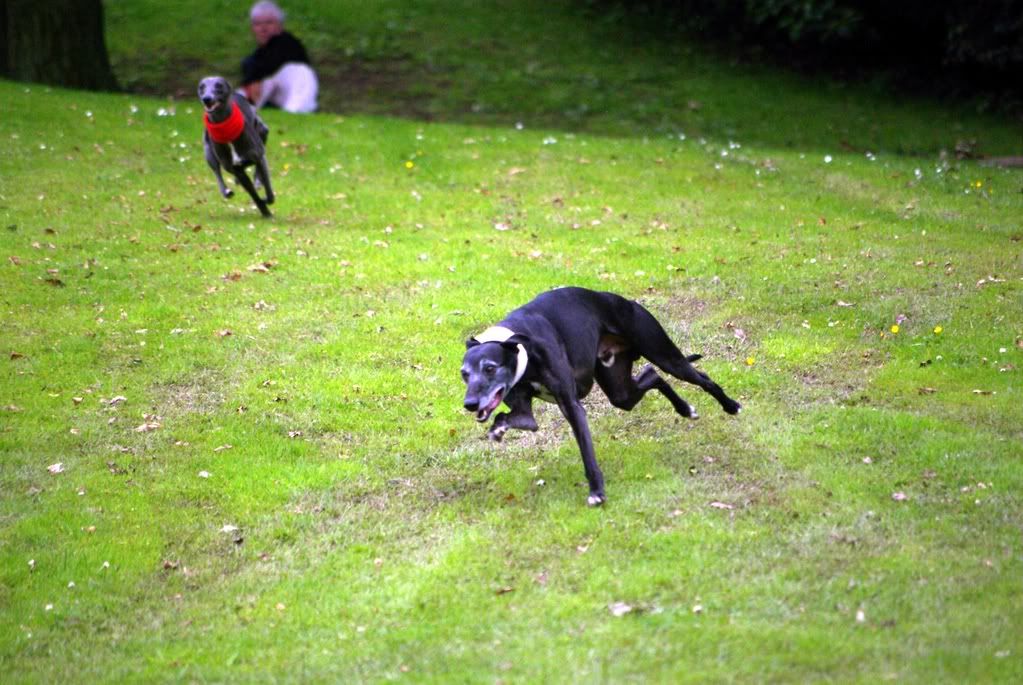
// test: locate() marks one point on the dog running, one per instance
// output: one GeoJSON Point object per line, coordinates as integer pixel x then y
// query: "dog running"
{"type": "Point", "coordinates": [233, 138]}
{"type": "Point", "coordinates": [555, 346]}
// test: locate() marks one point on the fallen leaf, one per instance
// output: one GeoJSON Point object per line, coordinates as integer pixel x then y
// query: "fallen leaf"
{"type": "Point", "coordinates": [619, 608]}
{"type": "Point", "coordinates": [721, 505]}
{"type": "Point", "coordinates": [983, 392]}
{"type": "Point", "coordinates": [56, 468]}
{"type": "Point", "coordinates": [224, 332]}
{"type": "Point", "coordinates": [222, 448]}
{"type": "Point", "coordinates": [228, 528]}
{"type": "Point", "coordinates": [17, 355]}
{"type": "Point", "coordinates": [504, 590]}
{"type": "Point", "coordinates": [147, 426]}
{"type": "Point", "coordinates": [263, 267]}
{"type": "Point", "coordinates": [926, 391]}
{"type": "Point", "coordinates": [117, 400]}
{"type": "Point", "coordinates": [900, 496]}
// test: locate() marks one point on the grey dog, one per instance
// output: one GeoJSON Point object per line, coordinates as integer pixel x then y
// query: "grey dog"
{"type": "Point", "coordinates": [234, 137]}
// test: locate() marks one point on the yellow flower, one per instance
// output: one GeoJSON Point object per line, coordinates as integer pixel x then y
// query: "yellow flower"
{"type": "Point", "coordinates": [895, 328]}
{"type": "Point", "coordinates": [409, 164]}
{"type": "Point", "coordinates": [938, 330]}
{"type": "Point", "coordinates": [750, 361]}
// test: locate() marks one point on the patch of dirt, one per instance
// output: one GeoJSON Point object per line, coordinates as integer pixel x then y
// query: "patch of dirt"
{"type": "Point", "coordinates": [202, 393]}
{"type": "Point", "coordinates": [398, 87]}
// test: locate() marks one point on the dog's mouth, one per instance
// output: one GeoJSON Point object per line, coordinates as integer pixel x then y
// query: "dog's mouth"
{"type": "Point", "coordinates": [483, 413]}
{"type": "Point", "coordinates": [215, 105]}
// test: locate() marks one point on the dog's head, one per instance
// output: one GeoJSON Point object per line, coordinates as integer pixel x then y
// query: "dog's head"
{"type": "Point", "coordinates": [489, 370]}
{"type": "Point", "coordinates": [214, 93]}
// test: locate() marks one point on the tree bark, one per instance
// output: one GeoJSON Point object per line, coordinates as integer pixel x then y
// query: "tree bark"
{"type": "Point", "coordinates": [59, 42]}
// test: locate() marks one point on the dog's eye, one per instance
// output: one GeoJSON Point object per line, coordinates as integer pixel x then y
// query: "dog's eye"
{"type": "Point", "coordinates": [465, 375]}
{"type": "Point", "coordinates": [489, 369]}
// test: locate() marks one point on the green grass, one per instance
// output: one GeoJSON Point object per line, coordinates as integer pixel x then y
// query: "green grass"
{"type": "Point", "coordinates": [379, 538]}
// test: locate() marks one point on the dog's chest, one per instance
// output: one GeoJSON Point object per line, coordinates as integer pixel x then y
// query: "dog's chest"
{"type": "Point", "coordinates": [236, 159]}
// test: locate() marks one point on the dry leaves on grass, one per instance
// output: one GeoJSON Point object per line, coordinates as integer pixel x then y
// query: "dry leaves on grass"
{"type": "Point", "coordinates": [150, 423]}
{"type": "Point", "coordinates": [618, 609]}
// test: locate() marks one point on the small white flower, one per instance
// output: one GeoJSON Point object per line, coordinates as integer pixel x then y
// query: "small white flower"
{"type": "Point", "coordinates": [827, 159]}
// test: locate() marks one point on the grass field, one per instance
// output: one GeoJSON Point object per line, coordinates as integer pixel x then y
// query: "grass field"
{"type": "Point", "coordinates": [265, 473]}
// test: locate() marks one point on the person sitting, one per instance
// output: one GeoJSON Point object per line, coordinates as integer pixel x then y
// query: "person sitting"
{"type": "Point", "coordinates": [278, 73]}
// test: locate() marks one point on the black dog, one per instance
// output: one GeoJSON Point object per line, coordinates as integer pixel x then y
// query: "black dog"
{"type": "Point", "coordinates": [555, 346]}
{"type": "Point", "coordinates": [234, 137]}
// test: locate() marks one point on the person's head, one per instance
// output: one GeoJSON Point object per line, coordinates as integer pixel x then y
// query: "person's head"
{"type": "Point", "coordinates": [267, 21]}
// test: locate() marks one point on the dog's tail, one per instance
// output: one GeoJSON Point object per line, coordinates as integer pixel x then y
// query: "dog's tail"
{"type": "Point", "coordinates": [693, 357]}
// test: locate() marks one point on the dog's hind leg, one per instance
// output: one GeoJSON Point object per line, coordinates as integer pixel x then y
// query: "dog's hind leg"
{"type": "Point", "coordinates": [263, 176]}
{"type": "Point", "coordinates": [625, 391]}
{"type": "Point", "coordinates": [653, 343]}
{"type": "Point", "coordinates": [246, 182]}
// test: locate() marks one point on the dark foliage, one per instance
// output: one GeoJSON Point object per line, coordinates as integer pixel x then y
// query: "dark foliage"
{"type": "Point", "coordinates": [960, 48]}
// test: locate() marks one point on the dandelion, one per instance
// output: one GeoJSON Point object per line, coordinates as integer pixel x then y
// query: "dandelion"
{"type": "Point", "coordinates": [938, 330]}
{"type": "Point", "coordinates": [894, 329]}
{"type": "Point", "coordinates": [750, 361]}
{"type": "Point", "coordinates": [409, 164]}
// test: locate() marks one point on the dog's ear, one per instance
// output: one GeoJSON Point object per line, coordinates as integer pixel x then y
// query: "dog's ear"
{"type": "Point", "coordinates": [471, 343]}
{"type": "Point", "coordinates": [513, 342]}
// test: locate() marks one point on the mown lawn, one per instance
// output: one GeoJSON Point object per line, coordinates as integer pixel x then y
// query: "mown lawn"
{"type": "Point", "coordinates": [265, 470]}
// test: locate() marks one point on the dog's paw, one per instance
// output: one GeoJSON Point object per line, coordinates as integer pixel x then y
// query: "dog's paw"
{"type": "Point", "coordinates": [733, 407]}
{"type": "Point", "coordinates": [270, 199]}
{"type": "Point", "coordinates": [495, 434]}
{"type": "Point", "coordinates": [595, 500]}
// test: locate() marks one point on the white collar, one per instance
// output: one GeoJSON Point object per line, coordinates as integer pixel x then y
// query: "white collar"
{"type": "Point", "coordinates": [500, 334]}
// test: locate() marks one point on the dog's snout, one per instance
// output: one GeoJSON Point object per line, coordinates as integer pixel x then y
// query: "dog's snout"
{"type": "Point", "coordinates": [471, 404]}
{"type": "Point", "coordinates": [207, 100]}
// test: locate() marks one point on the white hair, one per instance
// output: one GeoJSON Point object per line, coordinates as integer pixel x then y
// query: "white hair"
{"type": "Point", "coordinates": [265, 8]}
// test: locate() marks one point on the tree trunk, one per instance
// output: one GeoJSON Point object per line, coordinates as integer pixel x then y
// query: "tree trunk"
{"type": "Point", "coordinates": [55, 41]}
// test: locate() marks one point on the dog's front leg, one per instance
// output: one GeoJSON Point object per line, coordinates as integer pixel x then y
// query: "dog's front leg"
{"type": "Point", "coordinates": [576, 417]}
{"type": "Point", "coordinates": [214, 163]}
{"type": "Point", "coordinates": [520, 417]}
